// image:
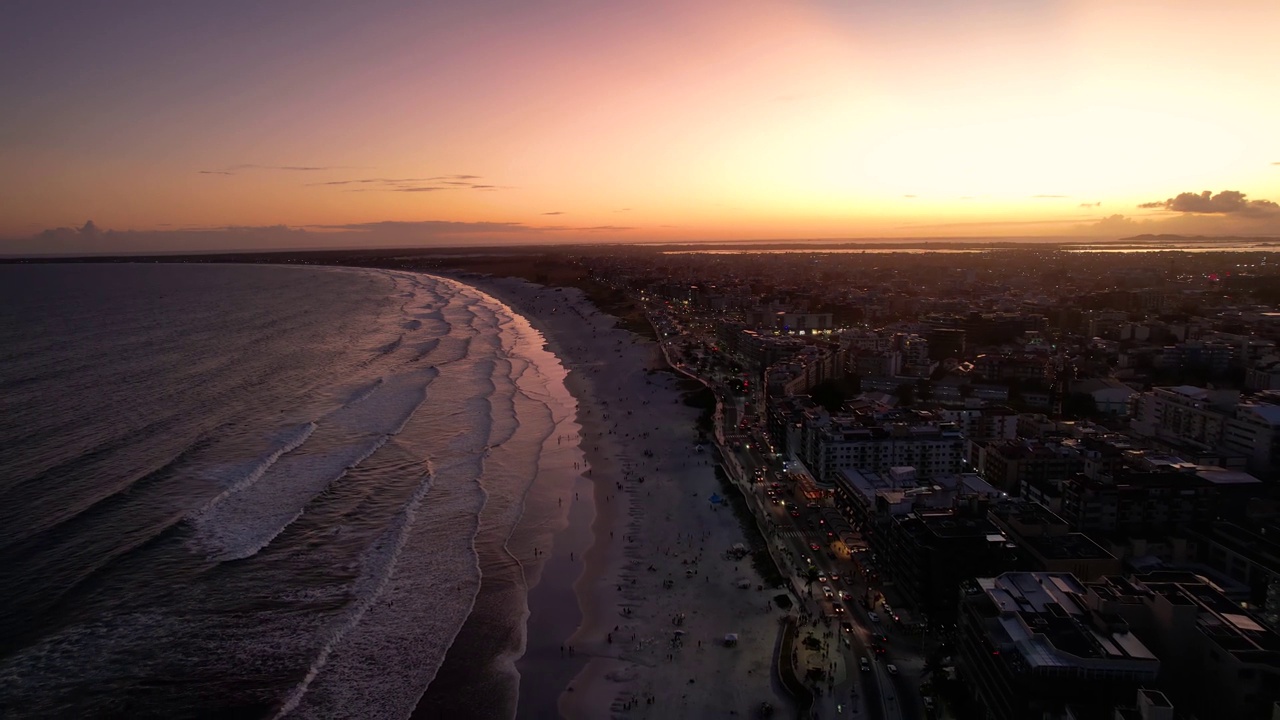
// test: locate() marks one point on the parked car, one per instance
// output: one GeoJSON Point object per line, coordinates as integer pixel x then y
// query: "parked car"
{"type": "Point", "coordinates": [866, 664]}
{"type": "Point", "coordinates": [874, 617]}
{"type": "Point", "coordinates": [893, 669]}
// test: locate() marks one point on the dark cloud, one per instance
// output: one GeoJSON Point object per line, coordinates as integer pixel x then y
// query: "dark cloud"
{"type": "Point", "coordinates": [557, 212]}
{"type": "Point", "coordinates": [1227, 202]}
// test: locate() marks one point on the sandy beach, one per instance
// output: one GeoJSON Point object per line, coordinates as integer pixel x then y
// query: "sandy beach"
{"type": "Point", "coordinates": [644, 549]}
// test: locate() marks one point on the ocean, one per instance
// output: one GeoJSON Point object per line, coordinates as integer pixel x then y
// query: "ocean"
{"type": "Point", "coordinates": [269, 491]}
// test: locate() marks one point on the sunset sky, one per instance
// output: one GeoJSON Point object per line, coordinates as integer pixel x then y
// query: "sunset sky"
{"type": "Point", "coordinates": [189, 125]}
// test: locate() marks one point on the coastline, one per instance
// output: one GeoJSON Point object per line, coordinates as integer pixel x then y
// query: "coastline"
{"type": "Point", "coordinates": [653, 596]}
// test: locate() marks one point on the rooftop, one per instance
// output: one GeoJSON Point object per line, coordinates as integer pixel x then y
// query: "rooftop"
{"type": "Point", "coordinates": [1043, 618]}
{"type": "Point", "coordinates": [1072, 546]}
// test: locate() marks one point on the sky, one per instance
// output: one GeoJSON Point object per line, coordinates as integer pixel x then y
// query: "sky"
{"type": "Point", "coordinates": [192, 125]}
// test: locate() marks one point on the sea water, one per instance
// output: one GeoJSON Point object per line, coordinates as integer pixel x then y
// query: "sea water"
{"type": "Point", "coordinates": [267, 491]}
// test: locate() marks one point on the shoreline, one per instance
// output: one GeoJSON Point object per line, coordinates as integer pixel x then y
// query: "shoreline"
{"type": "Point", "coordinates": [654, 597]}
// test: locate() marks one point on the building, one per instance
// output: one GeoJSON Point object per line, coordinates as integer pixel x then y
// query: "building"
{"type": "Point", "coordinates": [1110, 396]}
{"type": "Point", "coordinates": [1184, 413]}
{"type": "Point", "coordinates": [946, 343]}
{"type": "Point", "coordinates": [1216, 659]}
{"type": "Point", "coordinates": [1009, 464]}
{"type": "Point", "coordinates": [1250, 557]}
{"type": "Point", "coordinates": [1030, 645]}
{"type": "Point", "coordinates": [1046, 543]}
{"type": "Point", "coordinates": [1152, 495]}
{"type": "Point", "coordinates": [1254, 431]}
{"type": "Point", "coordinates": [928, 553]}
{"type": "Point", "coordinates": [994, 422]}
{"type": "Point", "coordinates": [878, 442]}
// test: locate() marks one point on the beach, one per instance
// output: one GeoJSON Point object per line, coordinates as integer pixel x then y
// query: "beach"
{"type": "Point", "coordinates": [630, 614]}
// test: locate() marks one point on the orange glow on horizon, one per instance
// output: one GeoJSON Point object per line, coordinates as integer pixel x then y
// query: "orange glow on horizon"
{"type": "Point", "coordinates": [663, 121]}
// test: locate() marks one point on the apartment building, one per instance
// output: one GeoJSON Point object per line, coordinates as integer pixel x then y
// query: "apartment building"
{"type": "Point", "coordinates": [877, 443]}
{"type": "Point", "coordinates": [1216, 659]}
{"type": "Point", "coordinates": [1029, 646]}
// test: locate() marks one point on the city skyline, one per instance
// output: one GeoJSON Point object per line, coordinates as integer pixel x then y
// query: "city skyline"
{"type": "Point", "coordinates": [148, 127]}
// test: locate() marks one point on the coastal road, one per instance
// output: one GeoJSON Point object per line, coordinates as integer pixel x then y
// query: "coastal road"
{"type": "Point", "coordinates": [876, 690]}
{"type": "Point", "coordinates": [886, 696]}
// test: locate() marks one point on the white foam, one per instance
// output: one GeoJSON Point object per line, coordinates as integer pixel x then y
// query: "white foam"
{"type": "Point", "coordinates": [378, 564]}
{"type": "Point", "coordinates": [245, 518]}
{"type": "Point", "coordinates": [292, 441]}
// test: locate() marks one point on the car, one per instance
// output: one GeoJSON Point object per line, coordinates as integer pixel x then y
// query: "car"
{"type": "Point", "coordinates": [814, 547]}
{"type": "Point", "coordinates": [822, 577]}
{"type": "Point", "coordinates": [795, 513]}
{"type": "Point", "coordinates": [834, 576]}
{"type": "Point", "coordinates": [865, 663]}
{"type": "Point", "coordinates": [846, 626]}
{"type": "Point", "coordinates": [838, 608]}
{"type": "Point", "coordinates": [891, 668]}
{"type": "Point", "coordinates": [873, 617]}
{"type": "Point", "coordinates": [882, 637]}
{"type": "Point", "coordinates": [827, 591]}
{"type": "Point", "coordinates": [846, 595]}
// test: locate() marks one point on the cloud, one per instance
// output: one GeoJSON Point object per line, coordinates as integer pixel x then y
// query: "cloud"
{"type": "Point", "coordinates": [234, 169]}
{"type": "Point", "coordinates": [909, 196]}
{"type": "Point", "coordinates": [557, 212]}
{"type": "Point", "coordinates": [1227, 202]}
{"type": "Point", "coordinates": [412, 184]}
{"type": "Point", "coordinates": [1051, 197]}
{"type": "Point", "coordinates": [1091, 205]}
{"type": "Point", "coordinates": [1197, 224]}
